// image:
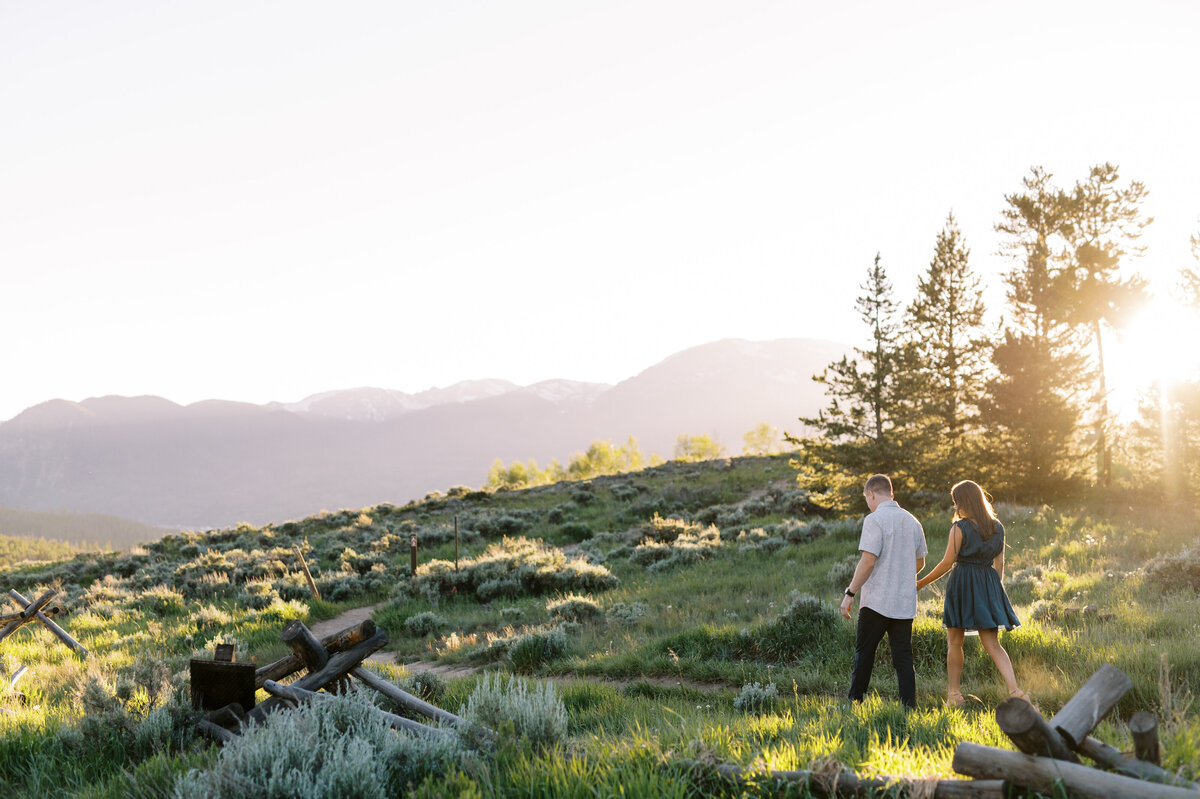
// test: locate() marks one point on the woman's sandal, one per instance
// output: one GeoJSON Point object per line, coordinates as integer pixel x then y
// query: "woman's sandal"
{"type": "Point", "coordinates": [955, 699]}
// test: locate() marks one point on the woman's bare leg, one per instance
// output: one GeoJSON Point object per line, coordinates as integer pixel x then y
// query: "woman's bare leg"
{"type": "Point", "coordinates": [954, 659]}
{"type": "Point", "coordinates": [991, 644]}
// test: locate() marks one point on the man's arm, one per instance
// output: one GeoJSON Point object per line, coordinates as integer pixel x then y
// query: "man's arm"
{"type": "Point", "coordinates": [920, 564]}
{"type": "Point", "coordinates": [866, 564]}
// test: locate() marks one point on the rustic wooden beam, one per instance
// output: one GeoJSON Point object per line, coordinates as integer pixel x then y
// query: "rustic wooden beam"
{"type": "Point", "coordinates": [338, 666]}
{"type": "Point", "coordinates": [405, 699]}
{"type": "Point", "coordinates": [17, 675]}
{"type": "Point", "coordinates": [230, 717]}
{"type": "Point", "coordinates": [216, 732]}
{"type": "Point", "coordinates": [29, 612]}
{"type": "Point", "coordinates": [396, 722]}
{"type": "Point", "coordinates": [850, 784]}
{"type": "Point", "coordinates": [5, 618]}
{"type": "Point", "coordinates": [1022, 723]}
{"type": "Point", "coordinates": [1095, 700]}
{"type": "Point", "coordinates": [1118, 761]}
{"type": "Point", "coordinates": [49, 624]}
{"type": "Point", "coordinates": [1143, 727]}
{"type": "Point", "coordinates": [1043, 774]}
{"type": "Point", "coordinates": [304, 645]}
{"type": "Point", "coordinates": [336, 642]}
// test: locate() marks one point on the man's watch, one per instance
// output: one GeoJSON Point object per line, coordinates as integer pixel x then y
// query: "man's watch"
{"type": "Point", "coordinates": [849, 593]}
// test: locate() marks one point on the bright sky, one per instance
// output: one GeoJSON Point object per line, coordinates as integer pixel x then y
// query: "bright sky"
{"type": "Point", "coordinates": [263, 200]}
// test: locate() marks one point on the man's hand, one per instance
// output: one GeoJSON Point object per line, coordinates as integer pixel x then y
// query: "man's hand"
{"type": "Point", "coordinates": [846, 603]}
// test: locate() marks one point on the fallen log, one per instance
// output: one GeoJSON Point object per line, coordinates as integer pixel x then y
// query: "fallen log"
{"type": "Point", "coordinates": [849, 784]}
{"type": "Point", "coordinates": [396, 722]}
{"type": "Point", "coordinates": [1118, 761]}
{"type": "Point", "coordinates": [1095, 700]}
{"type": "Point", "coordinates": [337, 642]}
{"type": "Point", "coordinates": [5, 618]}
{"type": "Point", "coordinates": [1024, 725]}
{"type": "Point", "coordinates": [1143, 727]}
{"type": "Point", "coordinates": [215, 731]}
{"type": "Point", "coordinates": [338, 666]}
{"type": "Point", "coordinates": [405, 699]}
{"type": "Point", "coordinates": [1042, 774]}
{"type": "Point", "coordinates": [49, 624]}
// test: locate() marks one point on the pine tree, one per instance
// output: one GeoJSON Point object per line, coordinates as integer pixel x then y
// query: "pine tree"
{"type": "Point", "coordinates": [1102, 224]}
{"type": "Point", "coordinates": [857, 431]}
{"type": "Point", "coordinates": [1032, 404]}
{"type": "Point", "coordinates": [949, 357]}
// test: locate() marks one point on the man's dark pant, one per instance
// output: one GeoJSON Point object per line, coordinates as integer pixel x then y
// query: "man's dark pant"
{"type": "Point", "coordinates": [871, 629]}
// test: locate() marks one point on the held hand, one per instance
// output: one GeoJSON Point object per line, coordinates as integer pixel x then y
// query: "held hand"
{"type": "Point", "coordinates": [846, 603]}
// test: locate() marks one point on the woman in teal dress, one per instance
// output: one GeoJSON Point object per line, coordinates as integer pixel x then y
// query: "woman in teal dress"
{"type": "Point", "coordinates": [975, 598]}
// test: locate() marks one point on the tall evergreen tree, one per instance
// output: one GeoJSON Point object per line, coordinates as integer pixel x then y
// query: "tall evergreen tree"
{"type": "Point", "coordinates": [1032, 409]}
{"type": "Point", "coordinates": [1102, 224]}
{"type": "Point", "coordinates": [857, 430]}
{"type": "Point", "coordinates": [947, 363]}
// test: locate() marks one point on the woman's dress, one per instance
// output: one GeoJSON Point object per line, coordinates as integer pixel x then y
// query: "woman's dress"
{"type": "Point", "coordinates": [975, 599]}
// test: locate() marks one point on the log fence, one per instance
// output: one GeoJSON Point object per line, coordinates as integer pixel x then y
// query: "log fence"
{"type": "Point", "coordinates": [328, 665]}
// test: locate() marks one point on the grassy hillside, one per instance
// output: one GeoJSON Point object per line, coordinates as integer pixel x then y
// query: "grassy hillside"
{"type": "Point", "coordinates": [81, 530]}
{"type": "Point", "coordinates": [650, 599]}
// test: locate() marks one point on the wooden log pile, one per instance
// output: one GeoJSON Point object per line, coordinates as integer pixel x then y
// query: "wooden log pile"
{"type": "Point", "coordinates": [1048, 761]}
{"type": "Point", "coordinates": [331, 665]}
{"type": "Point", "coordinates": [1049, 750]}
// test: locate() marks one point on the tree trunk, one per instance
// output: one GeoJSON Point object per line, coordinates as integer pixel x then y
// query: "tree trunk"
{"type": "Point", "coordinates": [396, 722]}
{"type": "Point", "coordinates": [405, 699]}
{"type": "Point", "coordinates": [304, 645]}
{"type": "Point", "coordinates": [1115, 759]}
{"type": "Point", "coordinates": [48, 623]}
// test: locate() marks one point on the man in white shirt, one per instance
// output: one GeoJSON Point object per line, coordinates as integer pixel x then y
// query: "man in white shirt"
{"type": "Point", "coordinates": [893, 552]}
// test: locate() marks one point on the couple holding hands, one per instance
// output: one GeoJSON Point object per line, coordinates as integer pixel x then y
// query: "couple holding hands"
{"type": "Point", "coordinates": [885, 581]}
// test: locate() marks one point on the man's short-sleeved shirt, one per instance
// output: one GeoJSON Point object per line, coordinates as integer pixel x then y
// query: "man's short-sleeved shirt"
{"type": "Point", "coordinates": [895, 537]}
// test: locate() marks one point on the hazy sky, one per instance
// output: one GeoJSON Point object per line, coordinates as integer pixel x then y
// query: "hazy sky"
{"type": "Point", "coordinates": [262, 200]}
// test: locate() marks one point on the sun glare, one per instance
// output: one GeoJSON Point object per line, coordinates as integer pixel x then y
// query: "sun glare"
{"type": "Point", "coordinates": [1160, 344]}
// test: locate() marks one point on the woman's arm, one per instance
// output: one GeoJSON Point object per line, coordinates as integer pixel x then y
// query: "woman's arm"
{"type": "Point", "coordinates": [998, 564]}
{"type": "Point", "coordinates": [952, 545]}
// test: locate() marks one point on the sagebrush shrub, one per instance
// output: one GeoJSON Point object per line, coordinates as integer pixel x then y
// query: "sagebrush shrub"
{"type": "Point", "coordinates": [756, 698]}
{"type": "Point", "coordinates": [626, 615]}
{"type": "Point", "coordinates": [334, 747]}
{"type": "Point", "coordinates": [535, 648]}
{"type": "Point", "coordinates": [535, 712]}
{"type": "Point", "coordinates": [422, 624]}
{"type": "Point", "coordinates": [574, 607]}
{"type": "Point", "coordinates": [1175, 571]}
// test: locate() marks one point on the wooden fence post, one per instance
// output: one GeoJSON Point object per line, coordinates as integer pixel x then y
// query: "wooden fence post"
{"type": "Point", "coordinates": [1143, 727]}
{"type": "Point", "coordinates": [1095, 700]}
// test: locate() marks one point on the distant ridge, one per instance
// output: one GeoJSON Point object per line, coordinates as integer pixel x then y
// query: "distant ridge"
{"type": "Point", "coordinates": [217, 462]}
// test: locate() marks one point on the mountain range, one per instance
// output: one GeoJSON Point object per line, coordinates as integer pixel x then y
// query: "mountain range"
{"type": "Point", "coordinates": [216, 463]}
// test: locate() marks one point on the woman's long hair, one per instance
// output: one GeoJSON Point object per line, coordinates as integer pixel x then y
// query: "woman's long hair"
{"type": "Point", "coordinates": [971, 503]}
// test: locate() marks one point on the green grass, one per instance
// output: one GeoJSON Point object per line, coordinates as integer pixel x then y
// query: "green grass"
{"type": "Point", "coordinates": [643, 692]}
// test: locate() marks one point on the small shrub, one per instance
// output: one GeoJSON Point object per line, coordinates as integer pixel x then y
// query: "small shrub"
{"type": "Point", "coordinates": [331, 748]}
{"type": "Point", "coordinates": [503, 588]}
{"type": "Point", "coordinates": [555, 515]}
{"type": "Point", "coordinates": [576, 531]}
{"type": "Point", "coordinates": [1176, 571]}
{"type": "Point", "coordinates": [425, 685]}
{"type": "Point", "coordinates": [626, 615]}
{"type": "Point", "coordinates": [756, 698]}
{"type": "Point", "coordinates": [840, 573]}
{"type": "Point", "coordinates": [162, 601]}
{"type": "Point", "coordinates": [423, 624]}
{"type": "Point", "coordinates": [535, 713]}
{"type": "Point", "coordinates": [574, 607]}
{"type": "Point", "coordinates": [535, 648]}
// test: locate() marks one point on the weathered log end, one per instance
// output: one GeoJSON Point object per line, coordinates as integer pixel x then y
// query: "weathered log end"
{"type": "Point", "coordinates": [1143, 727]}
{"type": "Point", "coordinates": [1024, 725]}
{"type": "Point", "coordinates": [1095, 700]}
{"type": "Point", "coordinates": [305, 645]}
